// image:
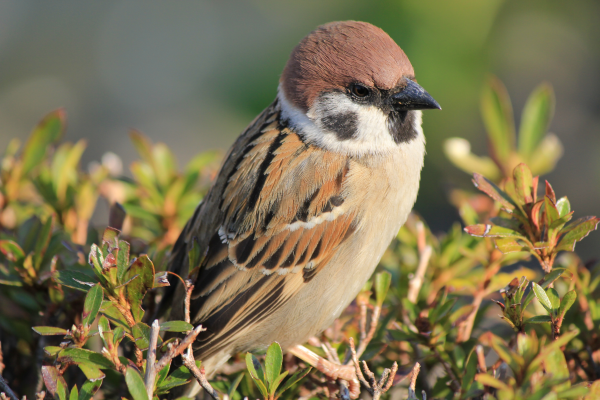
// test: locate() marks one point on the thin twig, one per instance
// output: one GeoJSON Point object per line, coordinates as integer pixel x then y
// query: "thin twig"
{"type": "Point", "coordinates": [413, 381]}
{"type": "Point", "coordinates": [369, 336]}
{"type": "Point", "coordinates": [188, 296]}
{"type": "Point", "coordinates": [415, 283]}
{"type": "Point", "coordinates": [6, 389]}
{"type": "Point", "coordinates": [175, 350]}
{"type": "Point", "coordinates": [362, 322]}
{"type": "Point", "coordinates": [375, 388]}
{"type": "Point", "coordinates": [151, 359]}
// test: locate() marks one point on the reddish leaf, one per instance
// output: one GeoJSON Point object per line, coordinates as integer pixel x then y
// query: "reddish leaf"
{"type": "Point", "coordinates": [12, 251]}
{"type": "Point", "coordinates": [550, 192]}
{"type": "Point", "coordinates": [52, 379]}
{"type": "Point", "coordinates": [486, 230]}
{"type": "Point", "coordinates": [535, 214]}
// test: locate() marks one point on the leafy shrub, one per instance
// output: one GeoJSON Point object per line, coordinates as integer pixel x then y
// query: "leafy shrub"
{"type": "Point", "coordinates": [76, 303]}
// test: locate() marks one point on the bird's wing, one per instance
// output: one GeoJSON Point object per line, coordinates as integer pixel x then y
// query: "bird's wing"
{"type": "Point", "coordinates": [282, 214]}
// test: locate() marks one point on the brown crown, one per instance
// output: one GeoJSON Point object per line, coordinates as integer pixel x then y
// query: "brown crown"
{"type": "Point", "coordinates": [340, 53]}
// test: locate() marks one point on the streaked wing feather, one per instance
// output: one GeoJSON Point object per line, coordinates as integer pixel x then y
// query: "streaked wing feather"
{"type": "Point", "coordinates": [282, 217]}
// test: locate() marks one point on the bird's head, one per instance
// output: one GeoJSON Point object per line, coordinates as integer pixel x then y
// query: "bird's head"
{"type": "Point", "coordinates": [349, 87]}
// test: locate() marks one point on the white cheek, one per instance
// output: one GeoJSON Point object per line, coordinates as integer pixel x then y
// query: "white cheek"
{"type": "Point", "coordinates": [372, 135]}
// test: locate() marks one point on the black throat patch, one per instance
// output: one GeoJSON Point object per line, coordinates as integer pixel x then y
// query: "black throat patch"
{"type": "Point", "coordinates": [401, 125]}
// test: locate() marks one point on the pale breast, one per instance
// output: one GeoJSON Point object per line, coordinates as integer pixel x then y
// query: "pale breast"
{"type": "Point", "coordinates": [384, 191]}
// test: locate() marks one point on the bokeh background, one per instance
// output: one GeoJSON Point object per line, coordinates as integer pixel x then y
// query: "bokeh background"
{"type": "Point", "coordinates": [194, 73]}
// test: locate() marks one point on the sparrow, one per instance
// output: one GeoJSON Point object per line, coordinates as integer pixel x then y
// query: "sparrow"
{"type": "Point", "coordinates": [308, 198]}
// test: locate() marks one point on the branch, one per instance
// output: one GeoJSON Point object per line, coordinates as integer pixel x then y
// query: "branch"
{"type": "Point", "coordinates": [151, 366]}
{"type": "Point", "coordinates": [6, 389]}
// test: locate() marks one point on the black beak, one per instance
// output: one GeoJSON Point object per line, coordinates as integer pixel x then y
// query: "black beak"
{"type": "Point", "coordinates": [413, 97]}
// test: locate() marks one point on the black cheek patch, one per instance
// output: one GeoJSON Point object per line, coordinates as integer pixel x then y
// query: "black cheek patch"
{"type": "Point", "coordinates": [344, 125]}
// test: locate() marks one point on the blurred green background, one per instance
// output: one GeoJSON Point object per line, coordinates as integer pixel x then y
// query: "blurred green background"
{"type": "Point", "coordinates": [193, 74]}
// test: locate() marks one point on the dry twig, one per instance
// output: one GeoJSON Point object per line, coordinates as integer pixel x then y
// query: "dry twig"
{"type": "Point", "coordinates": [413, 381]}
{"type": "Point", "coordinates": [374, 387]}
{"type": "Point", "coordinates": [414, 286]}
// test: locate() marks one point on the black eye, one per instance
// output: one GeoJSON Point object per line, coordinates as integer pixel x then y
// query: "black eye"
{"type": "Point", "coordinates": [360, 91]}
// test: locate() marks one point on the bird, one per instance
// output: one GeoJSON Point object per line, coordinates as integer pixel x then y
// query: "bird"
{"type": "Point", "coordinates": [308, 197]}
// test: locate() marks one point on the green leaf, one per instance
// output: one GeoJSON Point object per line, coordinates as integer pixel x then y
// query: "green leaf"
{"type": "Point", "coordinates": [92, 303]}
{"type": "Point", "coordinates": [551, 211]}
{"type": "Point", "coordinates": [555, 364]}
{"type": "Point", "coordinates": [135, 384]}
{"type": "Point", "coordinates": [554, 299]}
{"type": "Point", "coordinates": [49, 330]}
{"type": "Point", "coordinates": [122, 260]}
{"type": "Point", "coordinates": [176, 326]}
{"type": "Point", "coordinates": [488, 380]}
{"type": "Point", "coordinates": [536, 118]}
{"type": "Point", "coordinates": [382, 285]}
{"type": "Point", "coordinates": [273, 362]}
{"type": "Point", "coordinates": [74, 279]}
{"type": "Point", "coordinates": [114, 315]}
{"type": "Point", "coordinates": [542, 296]}
{"type": "Point", "coordinates": [523, 184]}
{"type": "Point", "coordinates": [88, 389]}
{"type": "Point", "coordinates": [273, 386]}
{"type": "Point", "coordinates": [162, 374]}
{"type": "Point", "coordinates": [52, 350]}
{"type": "Point", "coordinates": [458, 151]}
{"type": "Point", "coordinates": [141, 335]}
{"type": "Point", "coordinates": [74, 393]}
{"type": "Point", "coordinates": [179, 377]}
{"type": "Point", "coordinates": [539, 319]}
{"type": "Point", "coordinates": [83, 356]}
{"type": "Point", "coordinates": [104, 330]}
{"type": "Point", "coordinates": [142, 145]}
{"type": "Point", "coordinates": [470, 371]}
{"type": "Point", "coordinates": [293, 380]}
{"type": "Point", "coordinates": [510, 245]}
{"type": "Point", "coordinates": [497, 115]}
{"type": "Point", "coordinates": [563, 206]}
{"type": "Point", "coordinates": [256, 373]}
{"type": "Point", "coordinates": [489, 188]}
{"type": "Point", "coordinates": [576, 231]}
{"type": "Point", "coordinates": [164, 162]}
{"type": "Point", "coordinates": [91, 373]}
{"type": "Point", "coordinates": [68, 168]}
{"type": "Point", "coordinates": [234, 385]}
{"type": "Point", "coordinates": [567, 302]}
{"type": "Point", "coordinates": [48, 131]}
